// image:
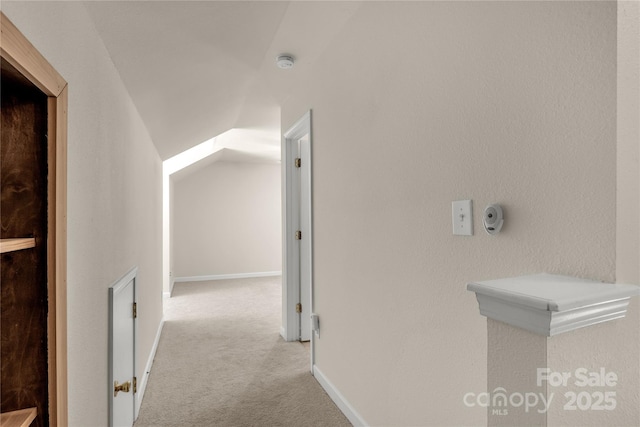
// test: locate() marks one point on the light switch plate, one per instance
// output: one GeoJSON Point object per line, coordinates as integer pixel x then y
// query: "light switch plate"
{"type": "Point", "coordinates": [462, 217]}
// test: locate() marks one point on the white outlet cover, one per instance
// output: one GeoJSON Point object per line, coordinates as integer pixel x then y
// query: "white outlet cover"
{"type": "Point", "coordinates": [462, 217]}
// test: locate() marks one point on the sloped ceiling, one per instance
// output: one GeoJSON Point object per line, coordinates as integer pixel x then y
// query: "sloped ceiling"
{"type": "Point", "coordinates": [197, 69]}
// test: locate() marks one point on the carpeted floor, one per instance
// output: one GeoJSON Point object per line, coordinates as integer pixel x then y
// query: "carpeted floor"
{"type": "Point", "coordinates": [222, 362]}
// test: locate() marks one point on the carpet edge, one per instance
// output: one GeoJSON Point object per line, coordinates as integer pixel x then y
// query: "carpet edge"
{"type": "Point", "coordinates": [145, 376]}
{"type": "Point", "coordinates": [349, 411]}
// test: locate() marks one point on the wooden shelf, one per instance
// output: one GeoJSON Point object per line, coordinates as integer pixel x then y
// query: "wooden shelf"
{"type": "Point", "coordinates": [10, 245]}
{"type": "Point", "coordinates": [20, 418]}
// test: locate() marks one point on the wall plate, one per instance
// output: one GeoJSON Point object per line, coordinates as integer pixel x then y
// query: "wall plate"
{"type": "Point", "coordinates": [462, 217]}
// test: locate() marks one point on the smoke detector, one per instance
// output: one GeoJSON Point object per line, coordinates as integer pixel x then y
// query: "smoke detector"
{"type": "Point", "coordinates": [284, 61]}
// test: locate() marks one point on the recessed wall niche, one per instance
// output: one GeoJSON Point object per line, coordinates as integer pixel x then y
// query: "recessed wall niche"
{"type": "Point", "coordinates": [23, 215]}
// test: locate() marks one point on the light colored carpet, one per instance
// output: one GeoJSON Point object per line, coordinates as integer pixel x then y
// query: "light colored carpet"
{"type": "Point", "coordinates": [222, 362]}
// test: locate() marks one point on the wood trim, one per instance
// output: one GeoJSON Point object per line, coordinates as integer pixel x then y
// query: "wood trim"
{"type": "Point", "coordinates": [10, 245]}
{"type": "Point", "coordinates": [52, 111]}
{"type": "Point", "coordinates": [61, 258]}
{"type": "Point", "coordinates": [21, 54]}
{"type": "Point", "coordinates": [20, 418]}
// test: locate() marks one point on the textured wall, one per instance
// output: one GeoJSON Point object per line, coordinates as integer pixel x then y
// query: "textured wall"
{"type": "Point", "coordinates": [628, 208]}
{"type": "Point", "coordinates": [418, 104]}
{"type": "Point", "coordinates": [596, 352]}
{"type": "Point", "coordinates": [613, 347]}
{"type": "Point", "coordinates": [114, 198]}
{"type": "Point", "coordinates": [513, 357]}
{"type": "Point", "coordinates": [226, 220]}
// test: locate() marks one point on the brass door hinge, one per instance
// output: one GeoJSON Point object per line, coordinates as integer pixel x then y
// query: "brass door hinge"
{"type": "Point", "coordinates": [135, 384]}
{"type": "Point", "coordinates": [298, 162]}
{"type": "Point", "coordinates": [135, 310]}
{"type": "Point", "coordinates": [117, 388]}
{"type": "Point", "coordinates": [298, 235]}
{"type": "Point", "coordinates": [298, 308]}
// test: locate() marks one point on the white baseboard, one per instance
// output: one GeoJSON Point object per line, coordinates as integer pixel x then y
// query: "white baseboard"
{"type": "Point", "coordinates": [337, 397]}
{"type": "Point", "coordinates": [168, 294]}
{"type": "Point", "coordinates": [142, 384]}
{"type": "Point", "coordinates": [227, 276]}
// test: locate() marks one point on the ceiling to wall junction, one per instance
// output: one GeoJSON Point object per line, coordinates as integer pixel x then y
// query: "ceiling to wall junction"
{"type": "Point", "coordinates": [197, 69]}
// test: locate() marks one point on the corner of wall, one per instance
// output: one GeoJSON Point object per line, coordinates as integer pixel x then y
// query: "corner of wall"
{"type": "Point", "coordinates": [628, 149]}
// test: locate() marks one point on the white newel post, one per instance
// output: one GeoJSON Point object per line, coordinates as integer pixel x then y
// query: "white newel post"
{"type": "Point", "coordinates": [554, 356]}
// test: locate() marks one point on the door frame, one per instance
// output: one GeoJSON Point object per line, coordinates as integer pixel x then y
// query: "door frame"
{"type": "Point", "coordinates": [24, 57]}
{"type": "Point", "coordinates": [291, 217]}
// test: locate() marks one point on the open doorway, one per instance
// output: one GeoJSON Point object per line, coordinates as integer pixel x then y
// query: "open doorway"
{"type": "Point", "coordinates": [222, 210]}
{"type": "Point", "coordinates": [297, 290]}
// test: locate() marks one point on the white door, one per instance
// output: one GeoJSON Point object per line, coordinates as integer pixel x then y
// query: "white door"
{"type": "Point", "coordinates": [305, 246]}
{"type": "Point", "coordinates": [122, 351]}
{"type": "Point", "coordinates": [297, 284]}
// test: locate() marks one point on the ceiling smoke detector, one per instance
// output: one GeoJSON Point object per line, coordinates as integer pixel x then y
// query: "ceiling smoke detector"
{"type": "Point", "coordinates": [284, 61]}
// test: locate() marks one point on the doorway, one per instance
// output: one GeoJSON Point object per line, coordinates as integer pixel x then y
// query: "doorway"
{"type": "Point", "coordinates": [297, 275]}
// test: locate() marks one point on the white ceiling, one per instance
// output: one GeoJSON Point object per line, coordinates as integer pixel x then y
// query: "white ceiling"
{"type": "Point", "coordinates": [198, 69]}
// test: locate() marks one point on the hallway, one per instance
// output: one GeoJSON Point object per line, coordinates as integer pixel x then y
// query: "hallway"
{"type": "Point", "coordinates": [414, 105]}
{"type": "Point", "coordinates": [221, 361]}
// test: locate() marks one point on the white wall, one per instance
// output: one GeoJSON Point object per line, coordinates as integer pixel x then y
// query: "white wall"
{"type": "Point", "coordinates": [171, 236]}
{"type": "Point", "coordinates": [628, 208]}
{"type": "Point", "coordinates": [418, 104]}
{"type": "Point", "coordinates": [114, 199]}
{"type": "Point", "coordinates": [226, 220]}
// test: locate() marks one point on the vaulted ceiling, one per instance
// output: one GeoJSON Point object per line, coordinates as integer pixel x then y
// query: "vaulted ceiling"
{"type": "Point", "coordinates": [197, 69]}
